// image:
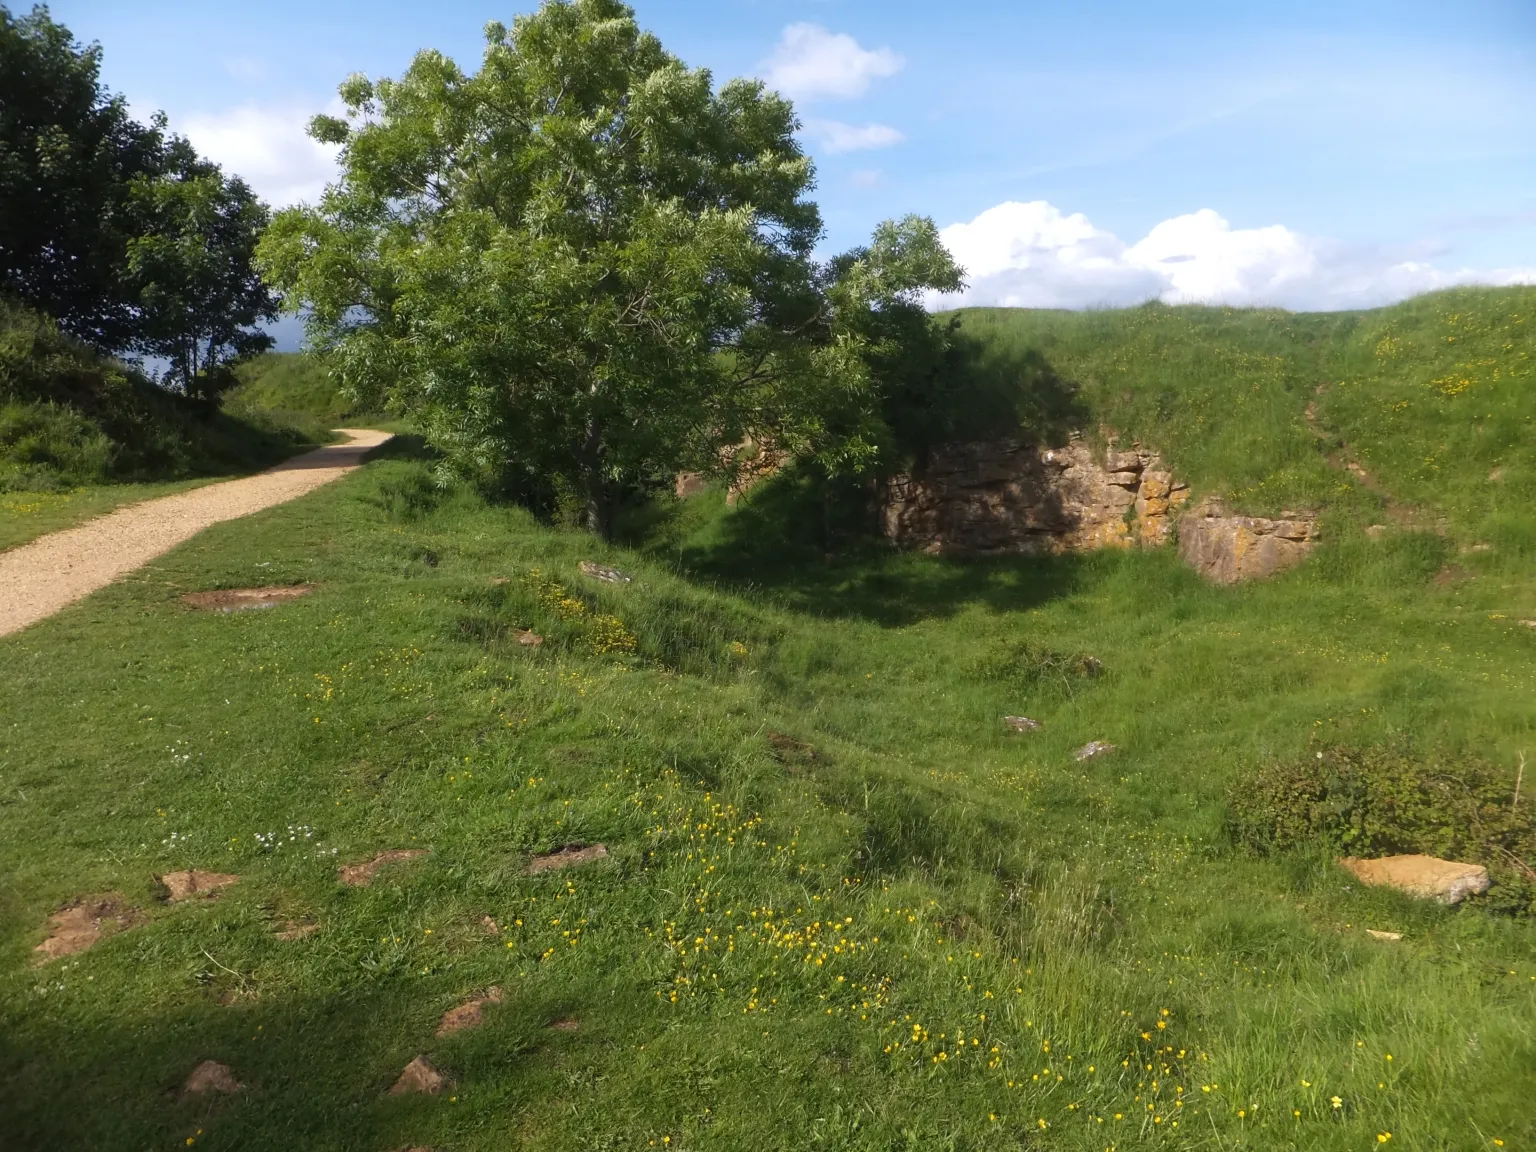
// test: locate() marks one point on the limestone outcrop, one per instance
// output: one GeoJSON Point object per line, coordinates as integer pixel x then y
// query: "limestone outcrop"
{"type": "Point", "coordinates": [1226, 548]}
{"type": "Point", "coordinates": [1011, 496]}
{"type": "Point", "coordinates": [1426, 877]}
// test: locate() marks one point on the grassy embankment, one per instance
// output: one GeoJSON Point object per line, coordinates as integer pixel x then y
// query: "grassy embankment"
{"type": "Point", "coordinates": [890, 926]}
{"type": "Point", "coordinates": [81, 435]}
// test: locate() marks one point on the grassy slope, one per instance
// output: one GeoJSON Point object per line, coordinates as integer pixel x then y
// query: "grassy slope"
{"type": "Point", "coordinates": [80, 435]}
{"type": "Point", "coordinates": [777, 954]}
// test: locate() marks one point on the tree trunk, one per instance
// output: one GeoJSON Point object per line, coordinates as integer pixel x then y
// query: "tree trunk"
{"type": "Point", "coordinates": [599, 507]}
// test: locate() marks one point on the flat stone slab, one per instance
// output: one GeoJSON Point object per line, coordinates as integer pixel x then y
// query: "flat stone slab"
{"type": "Point", "coordinates": [361, 875]}
{"type": "Point", "coordinates": [571, 856]}
{"type": "Point", "coordinates": [1093, 748]}
{"type": "Point", "coordinates": [1426, 877]}
{"type": "Point", "coordinates": [604, 573]}
{"type": "Point", "coordinates": [1021, 724]}
{"type": "Point", "coordinates": [245, 599]}
{"type": "Point", "coordinates": [185, 885]}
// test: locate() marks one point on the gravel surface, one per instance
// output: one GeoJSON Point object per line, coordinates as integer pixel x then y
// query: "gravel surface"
{"type": "Point", "coordinates": [39, 578]}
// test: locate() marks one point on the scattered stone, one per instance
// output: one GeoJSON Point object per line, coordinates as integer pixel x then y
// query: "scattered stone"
{"type": "Point", "coordinates": [1481, 548]}
{"type": "Point", "coordinates": [245, 599]}
{"type": "Point", "coordinates": [1225, 548]}
{"type": "Point", "coordinates": [526, 638]}
{"type": "Point", "coordinates": [470, 1014]}
{"type": "Point", "coordinates": [1424, 876]}
{"type": "Point", "coordinates": [211, 1076]}
{"type": "Point", "coordinates": [566, 1024]}
{"type": "Point", "coordinates": [1529, 623]}
{"type": "Point", "coordinates": [1021, 724]}
{"type": "Point", "coordinates": [81, 925]}
{"type": "Point", "coordinates": [1093, 748]}
{"type": "Point", "coordinates": [1379, 934]}
{"type": "Point", "coordinates": [604, 573]}
{"type": "Point", "coordinates": [1013, 496]}
{"type": "Point", "coordinates": [1497, 474]}
{"type": "Point", "coordinates": [571, 856]}
{"type": "Point", "coordinates": [1376, 531]}
{"type": "Point", "coordinates": [500, 581]}
{"type": "Point", "coordinates": [420, 1078]}
{"type": "Point", "coordinates": [488, 923]}
{"type": "Point", "coordinates": [181, 886]}
{"type": "Point", "coordinates": [361, 875]}
{"type": "Point", "coordinates": [292, 930]}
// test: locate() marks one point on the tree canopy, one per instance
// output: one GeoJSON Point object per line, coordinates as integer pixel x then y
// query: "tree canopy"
{"type": "Point", "coordinates": [116, 229]}
{"type": "Point", "coordinates": [586, 263]}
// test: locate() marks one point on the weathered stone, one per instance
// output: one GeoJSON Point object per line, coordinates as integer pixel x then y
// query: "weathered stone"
{"type": "Point", "coordinates": [604, 573]}
{"type": "Point", "coordinates": [181, 886]}
{"type": "Point", "coordinates": [361, 875]}
{"type": "Point", "coordinates": [420, 1078]}
{"type": "Point", "coordinates": [1021, 724]}
{"type": "Point", "coordinates": [571, 856]}
{"type": "Point", "coordinates": [527, 639]}
{"type": "Point", "coordinates": [211, 1076]}
{"type": "Point", "coordinates": [689, 484]}
{"type": "Point", "coordinates": [1010, 496]}
{"type": "Point", "coordinates": [1093, 748]}
{"type": "Point", "coordinates": [752, 461]}
{"type": "Point", "coordinates": [1427, 877]}
{"type": "Point", "coordinates": [1381, 934]}
{"type": "Point", "coordinates": [1225, 548]}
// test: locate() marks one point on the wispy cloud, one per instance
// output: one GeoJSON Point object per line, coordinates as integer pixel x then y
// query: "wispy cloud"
{"type": "Point", "coordinates": [1032, 255]}
{"type": "Point", "coordinates": [811, 62]}
{"type": "Point", "coordinates": [835, 136]}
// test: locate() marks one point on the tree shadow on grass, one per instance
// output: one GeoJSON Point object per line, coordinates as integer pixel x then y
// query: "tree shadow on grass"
{"type": "Point", "coordinates": [811, 545]}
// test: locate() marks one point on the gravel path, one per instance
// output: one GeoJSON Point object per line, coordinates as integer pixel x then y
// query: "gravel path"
{"type": "Point", "coordinates": [39, 578]}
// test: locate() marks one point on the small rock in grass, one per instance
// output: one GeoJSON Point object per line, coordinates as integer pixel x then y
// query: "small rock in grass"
{"type": "Point", "coordinates": [571, 856]}
{"type": "Point", "coordinates": [181, 886]}
{"type": "Point", "coordinates": [467, 1015]}
{"type": "Point", "coordinates": [500, 581]}
{"type": "Point", "coordinates": [361, 875]}
{"type": "Point", "coordinates": [527, 639]}
{"type": "Point", "coordinates": [81, 925]}
{"type": "Point", "coordinates": [1376, 531]}
{"type": "Point", "coordinates": [1093, 748]}
{"type": "Point", "coordinates": [1424, 876]}
{"type": "Point", "coordinates": [1380, 934]}
{"type": "Point", "coordinates": [566, 1024]}
{"type": "Point", "coordinates": [488, 923]}
{"type": "Point", "coordinates": [420, 1078]}
{"type": "Point", "coordinates": [1529, 623]}
{"type": "Point", "coordinates": [604, 573]}
{"type": "Point", "coordinates": [1021, 724]}
{"type": "Point", "coordinates": [293, 930]}
{"type": "Point", "coordinates": [211, 1076]}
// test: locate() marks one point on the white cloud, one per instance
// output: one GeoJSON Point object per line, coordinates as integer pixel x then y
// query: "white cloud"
{"type": "Point", "coordinates": [269, 147]}
{"type": "Point", "coordinates": [1034, 256]}
{"type": "Point", "coordinates": [835, 136]}
{"type": "Point", "coordinates": [810, 61]}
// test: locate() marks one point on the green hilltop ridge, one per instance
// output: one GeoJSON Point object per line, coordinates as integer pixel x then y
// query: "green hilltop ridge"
{"type": "Point", "coordinates": [841, 903]}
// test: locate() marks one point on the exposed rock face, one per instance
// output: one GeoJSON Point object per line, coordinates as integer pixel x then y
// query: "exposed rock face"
{"type": "Point", "coordinates": [1010, 496]}
{"type": "Point", "coordinates": [1427, 877]}
{"type": "Point", "coordinates": [1227, 548]}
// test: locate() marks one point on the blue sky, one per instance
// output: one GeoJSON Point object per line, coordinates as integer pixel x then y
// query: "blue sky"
{"type": "Point", "coordinates": [1310, 154]}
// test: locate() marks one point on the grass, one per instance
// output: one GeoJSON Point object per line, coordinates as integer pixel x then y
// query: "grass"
{"type": "Point", "coordinates": [294, 387]}
{"type": "Point", "coordinates": [890, 926]}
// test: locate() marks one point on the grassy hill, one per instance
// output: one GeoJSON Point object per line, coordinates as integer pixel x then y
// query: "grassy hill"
{"type": "Point", "coordinates": [292, 386]}
{"type": "Point", "coordinates": [842, 907]}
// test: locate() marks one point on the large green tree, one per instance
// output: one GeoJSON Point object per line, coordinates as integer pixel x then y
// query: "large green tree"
{"type": "Point", "coordinates": [586, 262]}
{"type": "Point", "coordinates": [69, 155]}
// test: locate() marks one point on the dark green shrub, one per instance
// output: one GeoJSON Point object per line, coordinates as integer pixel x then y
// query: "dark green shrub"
{"type": "Point", "coordinates": [1385, 800]}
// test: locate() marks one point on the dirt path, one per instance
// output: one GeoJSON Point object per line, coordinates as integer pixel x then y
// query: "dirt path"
{"type": "Point", "coordinates": [39, 578]}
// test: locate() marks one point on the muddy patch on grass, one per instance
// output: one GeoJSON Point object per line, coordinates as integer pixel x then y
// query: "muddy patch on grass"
{"type": "Point", "coordinates": [245, 599]}
{"type": "Point", "coordinates": [181, 886]}
{"type": "Point", "coordinates": [295, 930]}
{"type": "Point", "coordinates": [790, 752]}
{"type": "Point", "coordinates": [74, 929]}
{"type": "Point", "coordinates": [566, 1024]}
{"type": "Point", "coordinates": [211, 1076]}
{"type": "Point", "coordinates": [361, 875]}
{"type": "Point", "coordinates": [470, 1014]}
{"type": "Point", "coordinates": [571, 856]}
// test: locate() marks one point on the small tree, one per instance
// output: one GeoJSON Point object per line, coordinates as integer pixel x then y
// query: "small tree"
{"type": "Point", "coordinates": [191, 269]}
{"type": "Point", "coordinates": [583, 261]}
